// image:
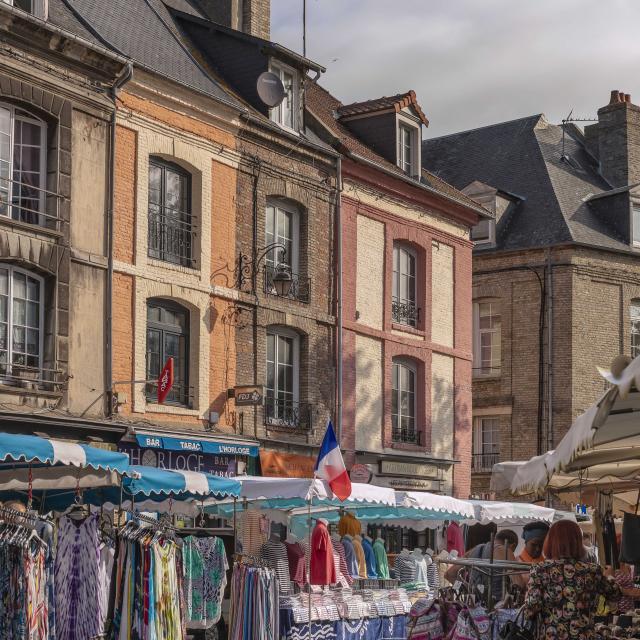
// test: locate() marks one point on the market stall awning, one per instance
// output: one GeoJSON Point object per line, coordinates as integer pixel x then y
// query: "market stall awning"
{"type": "Point", "coordinates": [57, 464]}
{"type": "Point", "coordinates": [196, 443]}
{"type": "Point", "coordinates": [603, 443]}
{"type": "Point", "coordinates": [445, 505]}
{"type": "Point", "coordinates": [510, 512]}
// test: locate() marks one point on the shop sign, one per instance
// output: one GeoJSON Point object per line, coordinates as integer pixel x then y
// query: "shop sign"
{"type": "Point", "coordinates": [407, 484]}
{"type": "Point", "coordinates": [408, 469]}
{"type": "Point", "coordinates": [360, 473]}
{"type": "Point", "coordinates": [249, 396]}
{"type": "Point", "coordinates": [286, 465]}
{"type": "Point", "coordinates": [194, 446]}
{"type": "Point", "coordinates": [185, 460]}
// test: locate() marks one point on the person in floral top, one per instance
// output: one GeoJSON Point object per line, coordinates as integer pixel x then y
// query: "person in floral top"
{"type": "Point", "coordinates": [563, 591]}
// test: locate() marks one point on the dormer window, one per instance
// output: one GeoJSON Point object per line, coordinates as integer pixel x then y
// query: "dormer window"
{"type": "Point", "coordinates": [286, 113]}
{"type": "Point", "coordinates": [37, 8]}
{"type": "Point", "coordinates": [408, 148]}
{"type": "Point", "coordinates": [635, 224]}
{"type": "Point", "coordinates": [484, 233]}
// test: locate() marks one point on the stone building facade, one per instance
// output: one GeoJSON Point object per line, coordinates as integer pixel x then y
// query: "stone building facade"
{"type": "Point", "coordinates": [406, 293]}
{"type": "Point", "coordinates": [555, 275]}
{"type": "Point", "coordinates": [56, 110]}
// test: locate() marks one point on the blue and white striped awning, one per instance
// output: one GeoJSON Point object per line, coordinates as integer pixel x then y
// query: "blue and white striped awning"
{"type": "Point", "coordinates": [152, 482]}
{"type": "Point", "coordinates": [56, 464]}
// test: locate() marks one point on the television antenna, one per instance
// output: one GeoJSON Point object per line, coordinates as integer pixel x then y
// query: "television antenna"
{"type": "Point", "coordinates": [568, 120]}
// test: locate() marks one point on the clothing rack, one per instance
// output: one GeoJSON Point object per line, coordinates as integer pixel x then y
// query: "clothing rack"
{"type": "Point", "coordinates": [254, 561]}
{"type": "Point", "coordinates": [20, 518]}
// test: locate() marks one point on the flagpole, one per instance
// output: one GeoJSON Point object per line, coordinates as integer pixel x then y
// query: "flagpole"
{"type": "Point", "coordinates": [309, 560]}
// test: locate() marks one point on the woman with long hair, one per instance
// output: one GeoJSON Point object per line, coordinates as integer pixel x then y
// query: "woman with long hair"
{"type": "Point", "coordinates": [563, 591]}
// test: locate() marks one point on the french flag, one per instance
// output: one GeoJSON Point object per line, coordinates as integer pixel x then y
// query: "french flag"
{"type": "Point", "coordinates": [330, 466]}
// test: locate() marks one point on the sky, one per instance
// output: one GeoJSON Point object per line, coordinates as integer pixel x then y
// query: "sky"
{"type": "Point", "coordinates": [472, 62]}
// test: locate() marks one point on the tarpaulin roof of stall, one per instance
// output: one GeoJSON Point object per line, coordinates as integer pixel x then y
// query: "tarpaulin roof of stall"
{"type": "Point", "coordinates": [510, 512]}
{"type": "Point", "coordinates": [603, 442]}
{"type": "Point", "coordinates": [57, 464]}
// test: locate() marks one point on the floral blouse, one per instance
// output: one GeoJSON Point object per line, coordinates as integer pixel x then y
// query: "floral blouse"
{"type": "Point", "coordinates": [563, 596]}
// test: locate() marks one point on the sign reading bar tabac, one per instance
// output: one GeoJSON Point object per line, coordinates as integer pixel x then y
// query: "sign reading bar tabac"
{"type": "Point", "coordinates": [408, 469]}
{"type": "Point", "coordinates": [249, 396]}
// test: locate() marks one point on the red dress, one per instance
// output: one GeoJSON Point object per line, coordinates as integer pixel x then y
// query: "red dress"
{"type": "Point", "coordinates": [323, 569]}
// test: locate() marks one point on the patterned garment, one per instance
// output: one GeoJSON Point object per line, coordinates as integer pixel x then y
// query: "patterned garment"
{"type": "Point", "coordinates": [36, 587]}
{"type": "Point", "coordinates": [364, 629]}
{"type": "Point", "coordinates": [625, 581]}
{"type": "Point", "coordinates": [76, 579]}
{"type": "Point", "coordinates": [13, 597]}
{"type": "Point", "coordinates": [205, 578]}
{"type": "Point", "coordinates": [166, 593]}
{"type": "Point", "coordinates": [562, 593]}
{"type": "Point", "coordinates": [275, 555]}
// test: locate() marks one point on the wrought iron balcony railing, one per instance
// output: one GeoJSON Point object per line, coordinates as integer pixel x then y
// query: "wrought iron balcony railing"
{"type": "Point", "coordinates": [170, 238]}
{"type": "Point", "coordinates": [287, 414]}
{"type": "Point", "coordinates": [406, 436]}
{"type": "Point", "coordinates": [405, 313]}
{"type": "Point", "coordinates": [300, 287]}
{"type": "Point", "coordinates": [31, 378]}
{"type": "Point", "coordinates": [30, 204]}
{"type": "Point", "coordinates": [483, 462]}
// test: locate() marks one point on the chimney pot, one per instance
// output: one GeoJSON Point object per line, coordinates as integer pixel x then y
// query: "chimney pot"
{"type": "Point", "coordinates": [615, 97]}
{"type": "Point", "coordinates": [627, 97]}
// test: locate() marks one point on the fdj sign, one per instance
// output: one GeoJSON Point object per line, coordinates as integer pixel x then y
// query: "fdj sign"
{"type": "Point", "coordinates": [247, 396]}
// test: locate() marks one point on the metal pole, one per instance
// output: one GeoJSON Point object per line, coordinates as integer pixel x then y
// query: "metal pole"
{"type": "Point", "coordinates": [490, 587]}
{"type": "Point", "coordinates": [309, 561]}
{"type": "Point", "coordinates": [235, 528]}
{"type": "Point", "coordinates": [304, 28]}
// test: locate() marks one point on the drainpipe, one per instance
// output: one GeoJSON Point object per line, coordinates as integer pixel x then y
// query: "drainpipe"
{"type": "Point", "coordinates": [122, 79]}
{"type": "Point", "coordinates": [339, 297]}
{"type": "Point", "coordinates": [550, 430]}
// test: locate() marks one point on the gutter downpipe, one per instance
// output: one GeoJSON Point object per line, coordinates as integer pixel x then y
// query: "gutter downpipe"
{"type": "Point", "coordinates": [126, 75]}
{"type": "Point", "coordinates": [550, 429]}
{"type": "Point", "coordinates": [339, 295]}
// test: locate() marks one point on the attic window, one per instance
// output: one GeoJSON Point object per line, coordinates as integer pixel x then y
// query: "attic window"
{"type": "Point", "coordinates": [286, 113]}
{"type": "Point", "coordinates": [484, 233]}
{"type": "Point", "coordinates": [408, 136]}
{"type": "Point", "coordinates": [37, 8]}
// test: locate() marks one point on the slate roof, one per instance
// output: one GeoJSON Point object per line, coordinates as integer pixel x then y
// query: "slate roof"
{"type": "Point", "coordinates": [142, 30]}
{"type": "Point", "coordinates": [397, 103]}
{"type": "Point", "coordinates": [324, 108]}
{"type": "Point", "coordinates": [524, 157]}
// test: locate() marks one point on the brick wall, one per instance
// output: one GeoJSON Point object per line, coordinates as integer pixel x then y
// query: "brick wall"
{"type": "Point", "coordinates": [124, 195]}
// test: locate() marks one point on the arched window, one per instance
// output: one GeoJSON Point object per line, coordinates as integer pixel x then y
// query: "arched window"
{"type": "Point", "coordinates": [403, 401]}
{"type": "Point", "coordinates": [282, 406]}
{"type": "Point", "coordinates": [21, 320]}
{"type": "Point", "coordinates": [170, 220]}
{"type": "Point", "coordinates": [634, 313]}
{"type": "Point", "coordinates": [23, 143]}
{"type": "Point", "coordinates": [404, 308]}
{"type": "Point", "coordinates": [168, 337]}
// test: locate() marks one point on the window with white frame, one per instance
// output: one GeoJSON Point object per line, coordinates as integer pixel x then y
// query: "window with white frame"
{"type": "Point", "coordinates": [484, 232]}
{"type": "Point", "coordinates": [408, 153]}
{"type": "Point", "coordinates": [23, 140]}
{"type": "Point", "coordinates": [634, 313]}
{"type": "Point", "coordinates": [37, 8]}
{"type": "Point", "coordinates": [286, 113]}
{"type": "Point", "coordinates": [282, 405]}
{"type": "Point", "coordinates": [403, 402]}
{"type": "Point", "coordinates": [487, 352]}
{"type": "Point", "coordinates": [635, 224]}
{"type": "Point", "coordinates": [404, 309]}
{"type": "Point", "coordinates": [21, 321]}
{"type": "Point", "coordinates": [486, 443]}
{"type": "Point", "coordinates": [282, 228]}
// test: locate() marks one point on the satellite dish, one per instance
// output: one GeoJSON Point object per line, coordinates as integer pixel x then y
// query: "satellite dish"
{"type": "Point", "coordinates": [270, 89]}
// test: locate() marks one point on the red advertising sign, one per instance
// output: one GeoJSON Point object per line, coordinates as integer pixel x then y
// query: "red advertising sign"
{"type": "Point", "coordinates": [165, 381]}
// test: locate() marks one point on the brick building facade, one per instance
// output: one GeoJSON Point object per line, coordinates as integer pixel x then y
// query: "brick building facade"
{"type": "Point", "coordinates": [555, 275]}
{"type": "Point", "coordinates": [55, 113]}
{"type": "Point", "coordinates": [406, 400]}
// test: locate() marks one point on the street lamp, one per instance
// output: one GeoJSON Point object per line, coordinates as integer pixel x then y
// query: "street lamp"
{"type": "Point", "coordinates": [248, 268]}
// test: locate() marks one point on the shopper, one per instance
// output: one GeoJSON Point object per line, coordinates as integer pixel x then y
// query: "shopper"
{"type": "Point", "coordinates": [504, 545]}
{"type": "Point", "coordinates": [533, 535]}
{"type": "Point", "coordinates": [563, 590]}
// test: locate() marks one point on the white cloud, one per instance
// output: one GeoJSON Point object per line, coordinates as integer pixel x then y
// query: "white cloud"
{"type": "Point", "coordinates": [472, 62]}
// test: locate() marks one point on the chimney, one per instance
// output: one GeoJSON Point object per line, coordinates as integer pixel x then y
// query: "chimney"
{"type": "Point", "coordinates": [251, 16]}
{"type": "Point", "coordinates": [615, 140]}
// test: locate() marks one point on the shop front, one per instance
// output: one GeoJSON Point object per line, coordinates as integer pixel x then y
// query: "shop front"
{"type": "Point", "coordinates": [218, 456]}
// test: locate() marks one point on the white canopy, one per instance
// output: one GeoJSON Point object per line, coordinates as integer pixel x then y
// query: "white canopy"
{"type": "Point", "coordinates": [601, 447]}
{"type": "Point", "coordinates": [435, 502]}
{"type": "Point", "coordinates": [510, 512]}
{"type": "Point", "coordinates": [261, 488]}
